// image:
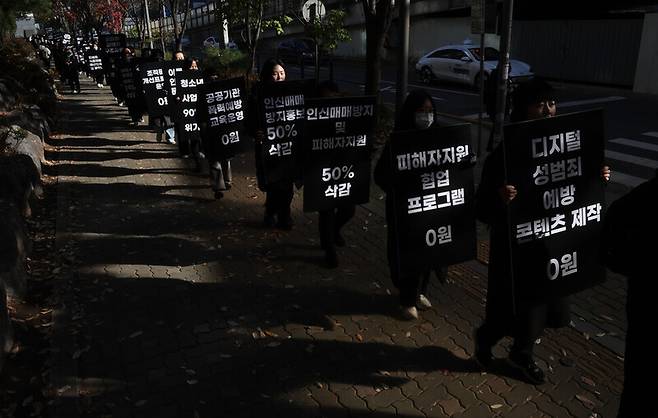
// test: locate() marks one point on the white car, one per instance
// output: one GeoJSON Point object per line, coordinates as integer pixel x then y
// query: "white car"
{"type": "Point", "coordinates": [211, 42]}
{"type": "Point", "coordinates": [461, 64]}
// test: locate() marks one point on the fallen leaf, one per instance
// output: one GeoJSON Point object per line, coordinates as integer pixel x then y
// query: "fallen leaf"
{"type": "Point", "coordinates": [587, 402]}
{"type": "Point", "coordinates": [192, 382]}
{"type": "Point", "coordinates": [496, 406]}
{"type": "Point", "coordinates": [359, 337]}
{"type": "Point", "coordinates": [135, 334]}
{"type": "Point", "coordinates": [588, 381]}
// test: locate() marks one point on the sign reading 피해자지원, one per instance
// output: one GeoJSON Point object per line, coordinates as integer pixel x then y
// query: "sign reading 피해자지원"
{"type": "Point", "coordinates": [222, 114]}
{"type": "Point", "coordinates": [433, 195]}
{"type": "Point", "coordinates": [555, 165]}
{"type": "Point", "coordinates": [336, 148]}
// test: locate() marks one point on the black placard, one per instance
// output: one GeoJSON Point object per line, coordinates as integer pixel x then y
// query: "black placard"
{"type": "Point", "coordinates": [128, 78]}
{"type": "Point", "coordinates": [555, 164]}
{"type": "Point", "coordinates": [187, 99]}
{"type": "Point", "coordinates": [434, 196]}
{"type": "Point", "coordinates": [157, 91]}
{"type": "Point", "coordinates": [222, 110]}
{"type": "Point", "coordinates": [336, 148]}
{"type": "Point", "coordinates": [282, 119]}
{"type": "Point", "coordinates": [94, 61]}
{"type": "Point", "coordinates": [112, 44]}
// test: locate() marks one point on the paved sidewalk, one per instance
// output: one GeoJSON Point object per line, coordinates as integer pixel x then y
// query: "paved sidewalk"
{"type": "Point", "coordinates": [183, 306]}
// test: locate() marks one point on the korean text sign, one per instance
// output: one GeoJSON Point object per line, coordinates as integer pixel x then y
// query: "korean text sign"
{"type": "Point", "coordinates": [282, 115]}
{"type": "Point", "coordinates": [187, 98]}
{"type": "Point", "coordinates": [336, 150]}
{"type": "Point", "coordinates": [222, 112]}
{"type": "Point", "coordinates": [434, 196]}
{"type": "Point", "coordinates": [555, 165]}
{"type": "Point", "coordinates": [155, 83]}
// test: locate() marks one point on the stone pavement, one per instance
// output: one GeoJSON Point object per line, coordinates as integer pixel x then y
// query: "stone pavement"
{"type": "Point", "coordinates": [183, 306]}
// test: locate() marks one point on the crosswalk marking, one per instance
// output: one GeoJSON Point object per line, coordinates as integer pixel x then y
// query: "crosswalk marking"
{"type": "Point", "coordinates": [635, 144]}
{"type": "Point", "coordinates": [620, 156]}
{"type": "Point", "coordinates": [626, 179]}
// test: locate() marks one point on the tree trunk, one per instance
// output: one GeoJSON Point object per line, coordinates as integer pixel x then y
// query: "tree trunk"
{"type": "Point", "coordinates": [374, 49]}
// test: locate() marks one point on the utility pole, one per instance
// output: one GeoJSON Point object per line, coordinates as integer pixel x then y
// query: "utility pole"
{"type": "Point", "coordinates": [148, 23]}
{"type": "Point", "coordinates": [403, 62]}
{"type": "Point", "coordinates": [503, 71]}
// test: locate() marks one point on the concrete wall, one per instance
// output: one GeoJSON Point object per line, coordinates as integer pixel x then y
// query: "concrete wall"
{"type": "Point", "coordinates": [646, 75]}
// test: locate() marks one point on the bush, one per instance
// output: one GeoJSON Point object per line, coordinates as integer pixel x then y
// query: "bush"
{"type": "Point", "coordinates": [228, 63]}
{"type": "Point", "coordinates": [19, 62]}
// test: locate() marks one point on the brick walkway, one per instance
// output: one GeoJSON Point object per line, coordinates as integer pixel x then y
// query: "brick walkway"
{"type": "Point", "coordinates": [184, 306]}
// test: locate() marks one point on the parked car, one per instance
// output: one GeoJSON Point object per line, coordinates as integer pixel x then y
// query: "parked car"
{"type": "Point", "coordinates": [214, 42]}
{"type": "Point", "coordinates": [294, 51]}
{"type": "Point", "coordinates": [461, 64]}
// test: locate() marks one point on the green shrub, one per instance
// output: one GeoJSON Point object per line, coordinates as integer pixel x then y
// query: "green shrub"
{"type": "Point", "coordinates": [227, 62]}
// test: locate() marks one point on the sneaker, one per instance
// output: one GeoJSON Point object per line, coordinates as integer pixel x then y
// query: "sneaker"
{"type": "Point", "coordinates": [482, 355]}
{"type": "Point", "coordinates": [99, 85]}
{"type": "Point", "coordinates": [172, 141]}
{"type": "Point", "coordinates": [527, 366]}
{"type": "Point", "coordinates": [423, 303]}
{"type": "Point", "coordinates": [409, 312]}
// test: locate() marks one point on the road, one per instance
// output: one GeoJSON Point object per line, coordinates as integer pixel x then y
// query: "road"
{"type": "Point", "coordinates": [631, 123]}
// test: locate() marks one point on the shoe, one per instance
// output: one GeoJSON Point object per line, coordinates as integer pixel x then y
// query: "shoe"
{"type": "Point", "coordinates": [528, 368]}
{"type": "Point", "coordinates": [482, 355]}
{"type": "Point", "coordinates": [409, 312]}
{"type": "Point", "coordinates": [219, 195]}
{"type": "Point", "coordinates": [121, 104]}
{"type": "Point", "coordinates": [185, 156]}
{"type": "Point", "coordinates": [268, 220]}
{"type": "Point", "coordinates": [99, 85]}
{"type": "Point", "coordinates": [141, 120]}
{"type": "Point", "coordinates": [339, 240]}
{"type": "Point", "coordinates": [331, 259]}
{"type": "Point", "coordinates": [134, 124]}
{"type": "Point", "coordinates": [285, 224]}
{"type": "Point", "coordinates": [423, 303]}
{"type": "Point", "coordinates": [171, 141]}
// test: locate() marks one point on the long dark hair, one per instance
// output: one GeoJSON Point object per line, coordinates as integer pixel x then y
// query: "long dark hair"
{"type": "Point", "coordinates": [407, 118]}
{"type": "Point", "coordinates": [268, 68]}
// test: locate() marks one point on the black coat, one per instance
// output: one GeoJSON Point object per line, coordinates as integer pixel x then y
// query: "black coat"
{"type": "Point", "coordinates": [506, 310]}
{"type": "Point", "coordinates": [630, 228]}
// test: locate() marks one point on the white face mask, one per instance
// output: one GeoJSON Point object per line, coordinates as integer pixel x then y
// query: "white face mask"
{"type": "Point", "coordinates": [424, 120]}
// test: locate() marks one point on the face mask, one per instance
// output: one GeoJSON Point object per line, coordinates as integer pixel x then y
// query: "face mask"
{"type": "Point", "coordinates": [424, 120]}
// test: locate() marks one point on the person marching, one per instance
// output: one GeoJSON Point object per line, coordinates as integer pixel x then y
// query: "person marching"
{"type": "Point", "coordinates": [221, 176]}
{"type": "Point", "coordinates": [525, 324]}
{"type": "Point", "coordinates": [418, 112]}
{"type": "Point", "coordinates": [279, 193]}
{"type": "Point", "coordinates": [331, 221]}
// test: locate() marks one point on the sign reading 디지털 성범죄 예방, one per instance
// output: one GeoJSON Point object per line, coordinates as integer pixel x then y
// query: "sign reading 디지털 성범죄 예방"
{"type": "Point", "coordinates": [433, 194]}
{"type": "Point", "coordinates": [222, 112]}
{"type": "Point", "coordinates": [336, 151]}
{"type": "Point", "coordinates": [556, 217]}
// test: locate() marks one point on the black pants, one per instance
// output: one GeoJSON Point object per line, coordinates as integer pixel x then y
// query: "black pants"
{"type": "Point", "coordinates": [278, 199]}
{"type": "Point", "coordinates": [98, 76]}
{"type": "Point", "coordinates": [74, 80]}
{"type": "Point", "coordinates": [331, 221]}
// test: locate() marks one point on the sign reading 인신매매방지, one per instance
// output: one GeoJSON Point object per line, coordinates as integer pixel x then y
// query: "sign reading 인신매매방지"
{"type": "Point", "coordinates": [336, 149]}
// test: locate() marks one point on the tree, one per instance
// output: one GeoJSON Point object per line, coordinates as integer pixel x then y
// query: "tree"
{"type": "Point", "coordinates": [10, 10]}
{"type": "Point", "coordinates": [329, 31]}
{"type": "Point", "coordinates": [180, 10]}
{"type": "Point", "coordinates": [378, 15]}
{"type": "Point", "coordinates": [247, 14]}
